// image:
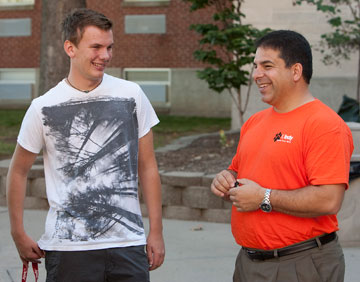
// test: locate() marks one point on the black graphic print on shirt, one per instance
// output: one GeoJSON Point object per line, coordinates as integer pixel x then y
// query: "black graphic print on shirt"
{"type": "Point", "coordinates": [96, 141]}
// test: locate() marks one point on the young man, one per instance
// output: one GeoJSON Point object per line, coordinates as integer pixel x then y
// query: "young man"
{"type": "Point", "coordinates": [289, 174]}
{"type": "Point", "coordinates": [95, 133]}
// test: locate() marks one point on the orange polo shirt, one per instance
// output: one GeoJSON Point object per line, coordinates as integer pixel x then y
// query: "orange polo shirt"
{"type": "Point", "coordinates": [310, 145]}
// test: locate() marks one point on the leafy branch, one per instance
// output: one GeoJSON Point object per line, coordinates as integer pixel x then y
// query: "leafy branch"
{"type": "Point", "coordinates": [344, 19]}
{"type": "Point", "coordinates": [227, 47]}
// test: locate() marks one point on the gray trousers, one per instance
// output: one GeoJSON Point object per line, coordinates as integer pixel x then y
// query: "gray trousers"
{"type": "Point", "coordinates": [324, 264]}
{"type": "Point", "coordinates": [128, 264]}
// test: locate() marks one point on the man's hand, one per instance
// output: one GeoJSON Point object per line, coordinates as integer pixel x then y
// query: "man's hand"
{"type": "Point", "coordinates": [28, 249]}
{"type": "Point", "coordinates": [248, 196]}
{"type": "Point", "coordinates": [155, 250]}
{"type": "Point", "coordinates": [222, 183]}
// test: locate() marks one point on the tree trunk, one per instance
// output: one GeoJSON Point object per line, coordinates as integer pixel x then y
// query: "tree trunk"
{"type": "Point", "coordinates": [358, 79]}
{"type": "Point", "coordinates": [237, 113]}
{"type": "Point", "coordinates": [54, 63]}
{"type": "Point", "coordinates": [241, 111]}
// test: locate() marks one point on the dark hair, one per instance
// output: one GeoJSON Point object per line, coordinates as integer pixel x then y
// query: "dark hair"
{"type": "Point", "coordinates": [293, 48]}
{"type": "Point", "coordinates": [74, 23]}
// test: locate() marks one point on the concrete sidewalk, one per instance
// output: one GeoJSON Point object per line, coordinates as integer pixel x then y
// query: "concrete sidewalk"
{"type": "Point", "coordinates": [195, 251]}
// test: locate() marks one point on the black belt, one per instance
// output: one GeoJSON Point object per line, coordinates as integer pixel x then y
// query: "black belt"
{"type": "Point", "coordinates": [307, 245]}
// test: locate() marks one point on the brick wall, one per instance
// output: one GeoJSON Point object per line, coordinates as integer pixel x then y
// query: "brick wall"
{"type": "Point", "coordinates": [171, 50]}
{"type": "Point", "coordinates": [22, 52]}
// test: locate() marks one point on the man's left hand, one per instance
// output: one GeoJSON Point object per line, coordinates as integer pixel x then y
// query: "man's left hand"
{"type": "Point", "coordinates": [247, 196]}
{"type": "Point", "coordinates": [155, 250]}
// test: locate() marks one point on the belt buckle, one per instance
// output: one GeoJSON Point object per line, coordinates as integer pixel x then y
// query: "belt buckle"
{"type": "Point", "coordinates": [252, 254]}
{"type": "Point", "coordinates": [256, 255]}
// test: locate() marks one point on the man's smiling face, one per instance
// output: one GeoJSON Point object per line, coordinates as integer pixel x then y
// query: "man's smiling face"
{"type": "Point", "coordinates": [92, 54]}
{"type": "Point", "coordinates": [272, 77]}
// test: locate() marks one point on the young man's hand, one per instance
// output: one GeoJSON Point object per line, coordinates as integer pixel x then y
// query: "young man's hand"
{"type": "Point", "coordinates": [155, 250]}
{"type": "Point", "coordinates": [28, 249]}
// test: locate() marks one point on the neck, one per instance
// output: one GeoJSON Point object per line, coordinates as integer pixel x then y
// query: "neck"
{"type": "Point", "coordinates": [294, 102]}
{"type": "Point", "coordinates": [83, 87]}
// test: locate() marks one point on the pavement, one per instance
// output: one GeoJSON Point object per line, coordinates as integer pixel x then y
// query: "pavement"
{"type": "Point", "coordinates": [195, 251]}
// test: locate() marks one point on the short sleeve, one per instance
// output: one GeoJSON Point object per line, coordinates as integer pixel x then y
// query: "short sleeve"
{"type": "Point", "coordinates": [328, 156]}
{"type": "Point", "coordinates": [146, 115]}
{"type": "Point", "coordinates": [30, 136]}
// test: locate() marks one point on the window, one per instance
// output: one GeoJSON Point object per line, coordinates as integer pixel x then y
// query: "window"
{"type": "Point", "coordinates": [15, 27]}
{"type": "Point", "coordinates": [145, 24]}
{"type": "Point", "coordinates": [16, 3]}
{"type": "Point", "coordinates": [154, 82]}
{"type": "Point", "coordinates": [146, 3]}
{"type": "Point", "coordinates": [17, 84]}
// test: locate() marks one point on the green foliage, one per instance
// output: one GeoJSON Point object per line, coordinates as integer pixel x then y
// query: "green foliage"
{"type": "Point", "coordinates": [227, 46]}
{"type": "Point", "coordinates": [345, 38]}
{"type": "Point", "coordinates": [223, 139]}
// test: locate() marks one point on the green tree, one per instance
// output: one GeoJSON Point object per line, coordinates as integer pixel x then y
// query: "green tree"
{"type": "Point", "coordinates": [227, 47]}
{"type": "Point", "coordinates": [345, 37]}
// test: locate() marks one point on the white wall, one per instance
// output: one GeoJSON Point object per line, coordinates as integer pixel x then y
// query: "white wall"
{"type": "Point", "coordinates": [329, 83]}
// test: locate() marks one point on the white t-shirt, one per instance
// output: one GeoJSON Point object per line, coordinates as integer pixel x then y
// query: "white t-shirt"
{"type": "Point", "coordinates": [90, 148]}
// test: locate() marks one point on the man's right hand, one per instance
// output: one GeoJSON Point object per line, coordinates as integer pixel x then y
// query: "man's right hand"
{"type": "Point", "coordinates": [222, 183]}
{"type": "Point", "coordinates": [28, 249]}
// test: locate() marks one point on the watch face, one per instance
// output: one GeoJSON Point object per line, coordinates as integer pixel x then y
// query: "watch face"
{"type": "Point", "coordinates": [265, 207]}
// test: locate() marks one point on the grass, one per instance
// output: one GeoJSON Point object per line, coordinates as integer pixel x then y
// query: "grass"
{"type": "Point", "coordinates": [169, 128]}
{"type": "Point", "coordinates": [10, 121]}
{"type": "Point", "coordinates": [172, 127]}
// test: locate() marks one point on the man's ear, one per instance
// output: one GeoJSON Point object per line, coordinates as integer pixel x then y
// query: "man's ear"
{"type": "Point", "coordinates": [297, 70]}
{"type": "Point", "coordinates": [69, 48]}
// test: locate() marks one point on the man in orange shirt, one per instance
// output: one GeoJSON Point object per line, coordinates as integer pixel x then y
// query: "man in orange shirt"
{"type": "Point", "coordinates": [288, 177]}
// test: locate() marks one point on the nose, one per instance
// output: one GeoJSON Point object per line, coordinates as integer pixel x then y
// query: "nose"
{"type": "Point", "coordinates": [257, 73]}
{"type": "Point", "coordinates": [106, 54]}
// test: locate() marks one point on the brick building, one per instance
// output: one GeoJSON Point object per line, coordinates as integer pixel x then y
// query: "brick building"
{"type": "Point", "coordinates": [153, 46]}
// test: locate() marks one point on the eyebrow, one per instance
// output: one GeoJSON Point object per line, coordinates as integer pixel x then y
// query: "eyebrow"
{"type": "Point", "coordinates": [100, 45]}
{"type": "Point", "coordinates": [264, 62]}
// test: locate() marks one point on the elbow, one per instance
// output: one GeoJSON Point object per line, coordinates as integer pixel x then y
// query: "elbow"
{"type": "Point", "coordinates": [332, 206]}
{"type": "Point", "coordinates": [336, 208]}
{"type": "Point", "coordinates": [332, 199]}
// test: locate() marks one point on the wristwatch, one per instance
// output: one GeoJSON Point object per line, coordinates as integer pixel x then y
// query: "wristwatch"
{"type": "Point", "coordinates": [265, 205]}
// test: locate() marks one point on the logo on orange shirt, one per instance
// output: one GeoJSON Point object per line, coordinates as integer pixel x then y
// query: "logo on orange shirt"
{"type": "Point", "coordinates": [280, 137]}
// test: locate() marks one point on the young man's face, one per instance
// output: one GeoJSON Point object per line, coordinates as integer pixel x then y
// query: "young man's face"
{"type": "Point", "coordinates": [272, 77]}
{"type": "Point", "coordinates": [92, 54]}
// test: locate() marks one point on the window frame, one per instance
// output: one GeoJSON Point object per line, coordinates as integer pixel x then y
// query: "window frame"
{"type": "Point", "coordinates": [167, 83]}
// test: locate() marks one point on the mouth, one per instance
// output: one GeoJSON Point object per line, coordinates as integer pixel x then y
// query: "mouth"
{"type": "Point", "coordinates": [99, 66]}
{"type": "Point", "coordinates": [262, 86]}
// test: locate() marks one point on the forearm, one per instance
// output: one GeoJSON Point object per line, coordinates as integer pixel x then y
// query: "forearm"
{"type": "Point", "coordinates": [16, 190]}
{"type": "Point", "coordinates": [151, 190]}
{"type": "Point", "coordinates": [150, 182]}
{"type": "Point", "coordinates": [16, 187]}
{"type": "Point", "coordinates": [310, 201]}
